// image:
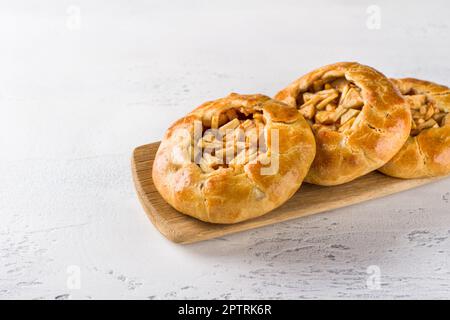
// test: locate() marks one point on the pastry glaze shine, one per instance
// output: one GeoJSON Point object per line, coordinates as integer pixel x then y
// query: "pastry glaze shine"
{"type": "Point", "coordinates": [377, 134]}
{"type": "Point", "coordinates": [233, 193]}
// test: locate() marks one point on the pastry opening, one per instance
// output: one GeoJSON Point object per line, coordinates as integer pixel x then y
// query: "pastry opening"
{"type": "Point", "coordinates": [333, 103]}
{"type": "Point", "coordinates": [232, 138]}
{"type": "Point", "coordinates": [426, 114]}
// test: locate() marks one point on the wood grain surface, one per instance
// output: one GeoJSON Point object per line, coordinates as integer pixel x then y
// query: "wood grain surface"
{"type": "Point", "coordinates": [310, 199]}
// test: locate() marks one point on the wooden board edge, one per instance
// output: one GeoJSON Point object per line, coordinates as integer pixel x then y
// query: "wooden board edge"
{"type": "Point", "coordinates": [236, 228]}
{"type": "Point", "coordinates": [175, 236]}
{"type": "Point", "coordinates": [165, 229]}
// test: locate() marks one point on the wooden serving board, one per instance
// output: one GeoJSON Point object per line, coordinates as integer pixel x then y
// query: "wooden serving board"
{"type": "Point", "coordinates": [310, 199]}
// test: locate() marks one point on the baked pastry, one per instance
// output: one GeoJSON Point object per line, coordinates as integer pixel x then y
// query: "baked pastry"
{"type": "Point", "coordinates": [234, 158]}
{"type": "Point", "coordinates": [426, 153]}
{"type": "Point", "coordinates": [359, 120]}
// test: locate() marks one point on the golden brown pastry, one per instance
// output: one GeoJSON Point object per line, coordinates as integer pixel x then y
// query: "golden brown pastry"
{"type": "Point", "coordinates": [234, 158]}
{"type": "Point", "coordinates": [359, 120]}
{"type": "Point", "coordinates": [426, 153]}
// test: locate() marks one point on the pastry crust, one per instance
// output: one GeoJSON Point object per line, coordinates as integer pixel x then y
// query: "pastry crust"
{"type": "Point", "coordinates": [234, 190]}
{"type": "Point", "coordinates": [426, 153]}
{"type": "Point", "coordinates": [377, 125]}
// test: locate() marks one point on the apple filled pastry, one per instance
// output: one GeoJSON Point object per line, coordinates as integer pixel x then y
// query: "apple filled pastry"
{"type": "Point", "coordinates": [234, 158]}
{"type": "Point", "coordinates": [359, 120]}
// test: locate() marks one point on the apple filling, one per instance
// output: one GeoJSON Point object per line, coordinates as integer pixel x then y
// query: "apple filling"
{"type": "Point", "coordinates": [425, 113]}
{"type": "Point", "coordinates": [232, 138]}
{"type": "Point", "coordinates": [333, 104]}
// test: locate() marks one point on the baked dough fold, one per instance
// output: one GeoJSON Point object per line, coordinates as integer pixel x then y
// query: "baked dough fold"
{"type": "Point", "coordinates": [426, 153]}
{"type": "Point", "coordinates": [234, 158]}
{"type": "Point", "coordinates": [358, 117]}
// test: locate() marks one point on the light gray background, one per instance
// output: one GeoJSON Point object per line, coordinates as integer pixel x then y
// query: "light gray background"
{"type": "Point", "coordinates": [75, 98]}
